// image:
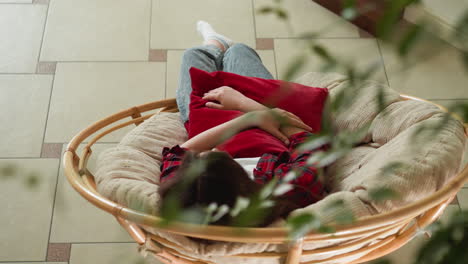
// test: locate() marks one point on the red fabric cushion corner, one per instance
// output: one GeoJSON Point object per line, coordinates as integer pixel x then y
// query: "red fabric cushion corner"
{"type": "Point", "coordinates": [304, 101]}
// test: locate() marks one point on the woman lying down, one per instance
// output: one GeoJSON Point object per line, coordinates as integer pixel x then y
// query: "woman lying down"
{"type": "Point", "coordinates": [222, 179]}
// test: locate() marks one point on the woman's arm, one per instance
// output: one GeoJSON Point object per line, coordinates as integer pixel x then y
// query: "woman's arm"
{"type": "Point", "coordinates": [230, 99]}
{"type": "Point", "coordinates": [264, 119]}
{"type": "Point", "coordinates": [216, 135]}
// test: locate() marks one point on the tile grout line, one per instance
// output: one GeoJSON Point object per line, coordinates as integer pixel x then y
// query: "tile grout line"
{"type": "Point", "coordinates": [24, 73]}
{"type": "Point", "coordinates": [43, 34]}
{"type": "Point", "coordinates": [53, 208]}
{"type": "Point", "coordinates": [27, 158]}
{"type": "Point", "coordinates": [304, 38]}
{"type": "Point", "coordinates": [274, 58]}
{"type": "Point", "coordinates": [383, 62]}
{"type": "Point", "coordinates": [254, 21]}
{"type": "Point", "coordinates": [53, 79]}
{"type": "Point", "coordinates": [165, 78]}
{"type": "Point", "coordinates": [32, 3]}
{"type": "Point", "coordinates": [30, 261]}
{"type": "Point", "coordinates": [150, 27]}
{"type": "Point", "coordinates": [60, 159]}
{"type": "Point", "coordinates": [108, 242]}
{"type": "Point", "coordinates": [48, 111]}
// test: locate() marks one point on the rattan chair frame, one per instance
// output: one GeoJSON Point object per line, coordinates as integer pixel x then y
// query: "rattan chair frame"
{"type": "Point", "coordinates": [408, 220]}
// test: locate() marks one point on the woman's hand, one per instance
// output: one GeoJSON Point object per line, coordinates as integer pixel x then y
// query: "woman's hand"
{"type": "Point", "coordinates": [272, 120]}
{"type": "Point", "coordinates": [228, 98]}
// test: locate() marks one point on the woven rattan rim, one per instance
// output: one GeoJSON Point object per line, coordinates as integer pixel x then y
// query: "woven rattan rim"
{"type": "Point", "coordinates": [425, 211]}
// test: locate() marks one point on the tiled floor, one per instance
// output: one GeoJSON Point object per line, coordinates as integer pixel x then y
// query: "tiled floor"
{"type": "Point", "coordinates": [65, 64]}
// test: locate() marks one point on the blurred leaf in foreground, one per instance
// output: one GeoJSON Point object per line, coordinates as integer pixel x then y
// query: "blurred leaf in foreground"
{"type": "Point", "coordinates": [410, 39]}
{"type": "Point", "coordinates": [294, 67]}
{"type": "Point", "coordinates": [448, 244]}
{"type": "Point", "coordinates": [393, 167]}
{"type": "Point", "coordinates": [8, 171]}
{"type": "Point", "coordinates": [460, 109]}
{"type": "Point", "coordinates": [32, 180]}
{"type": "Point", "coordinates": [383, 194]}
{"type": "Point", "coordinates": [461, 30]}
{"type": "Point", "coordinates": [302, 224]}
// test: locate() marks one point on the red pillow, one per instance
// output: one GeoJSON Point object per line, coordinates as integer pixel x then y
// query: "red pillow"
{"type": "Point", "coordinates": [304, 101]}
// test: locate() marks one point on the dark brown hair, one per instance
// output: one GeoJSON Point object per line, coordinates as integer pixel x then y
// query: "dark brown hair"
{"type": "Point", "coordinates": [221, 180]}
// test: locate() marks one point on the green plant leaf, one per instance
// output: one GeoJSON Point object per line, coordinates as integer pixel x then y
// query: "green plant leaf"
{"type": "Point", "coordinates": [332, 156]}
{"type": "Point", "coordinates": [281, 13]}
{"type": "Point", "coordinates": [294, 67]}
{"type": "Point", "coordinates": [393, 167]}
{"type": "Point", "coordinates": [170, 210]}
{"type": "Point", "coordinates": [315, 142]}
{"type": "Point", "coordinates": [309, 35]}
{"type": "Point", "coordinates": [220, 212]}
{"type": "Point", "coordinates": [383, 194]}
{"type": "Point", "coordinates": [268, 189]}
{"type": "Point", "coordinates": [382, 261]}
{"type": "Point", "coordinates": [345, 217]}
{"type": "Point", "coordinates": [461, 109]}
{"type": "Point", "coordinates": [32, 180]}
{"type": "Point", "coordinates": [302, 224]}
{"type": "Point", "coordinates": [194, 215]}
{"type": "Point", "coordinates": [392, 11]}
{"type": "Point", "coordinates": [447, 244]}
{"type": "Point", "coordinates": [282, 189]}
{"type": "Point", "coordinates": [326, 229]}
{"type": "Point", "coordinates": [291, 175]}
{"type": "Point", "coordinates": [349, 3]}
{"type": "Point", "coordinates": [265, 10]}
{"type": "Point", "coordinates": [8, 171]}
{"type": "Point", "coordinates": [322, 52]}
{"type": "Point", "coordinates": [410, 39]}
{"type": "Point", "coordinates": [335, 205]}
{"type": "Point", "coordinates": [241, 204]}
{"type": "Point", "coordinates": [461, 29]}
{"type": "Point", "coordinates": [349, 13]}
{"type": "Point", "coordinates": [464, 58]}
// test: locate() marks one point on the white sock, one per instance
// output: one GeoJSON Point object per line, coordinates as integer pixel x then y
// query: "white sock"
{"type": "Point", "coordinates": [208, 33]}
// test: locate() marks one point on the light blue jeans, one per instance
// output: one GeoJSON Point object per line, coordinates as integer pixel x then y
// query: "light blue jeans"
{"type": "Point", "coordinates": [239, 59]}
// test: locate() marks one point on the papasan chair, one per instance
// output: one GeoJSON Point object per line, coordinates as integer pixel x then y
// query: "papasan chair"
{"type": "Point", "coordinates": [126, 181]}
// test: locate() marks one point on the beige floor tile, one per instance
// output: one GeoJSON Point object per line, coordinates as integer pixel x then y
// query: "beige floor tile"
{"type": "Point", "coordinates": [436, 72]}
{"type": "Point", "coordinates": [449, 211]}
{"type": "Point", "coordinates": [448, 11]}
{"type": "Point", "coordinates": [362, 52]}
{"type": "Point", "coordinates": [463, 198]}
{"type": "Point", "coordinates": [88, 92]}
{"type": "Point", "coordinates": [105, 253]}
{"type": "Point", "coordinates": [21, 28]}
{"type": "Point", "coordinates": [15, 1]}
{"type": "Point", "coordinates": [76, 219]}
{"type": "Point", "coordinates": [174, 58]}
{"type": "Point", "coordinates": [97, 30]}
{"type": "Point", "coordinates": [449, 103]}
{"type": "Point", "coordinates": [304, 17]}
{"type": "Point", "coordinates": [173, 24]}
{"type": "Point", "coordinates": [35, 262]}
{"type": "Point", "coordinates": [26, 209]}
{"type": "Point", "coordinates": [24, 100]}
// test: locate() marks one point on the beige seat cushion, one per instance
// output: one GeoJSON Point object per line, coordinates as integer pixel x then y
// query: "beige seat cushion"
{"type": "Point", "coordinates": [129, 173]}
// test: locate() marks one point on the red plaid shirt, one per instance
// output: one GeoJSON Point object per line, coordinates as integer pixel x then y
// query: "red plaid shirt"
{"type": "Point", "coordinates": [307, 189]}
